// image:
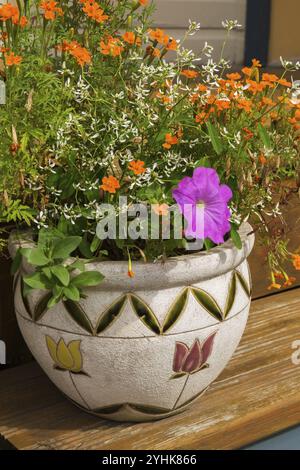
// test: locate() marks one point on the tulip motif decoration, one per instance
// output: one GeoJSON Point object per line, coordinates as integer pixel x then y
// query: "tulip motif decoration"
{"type": "Point", "coordinates": [66, 357]}
{"type": "Point", "coordinates": [191, 360]}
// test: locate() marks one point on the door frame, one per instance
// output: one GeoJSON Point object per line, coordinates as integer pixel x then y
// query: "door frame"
{"type": "Point", "coordinates": [258, 21]}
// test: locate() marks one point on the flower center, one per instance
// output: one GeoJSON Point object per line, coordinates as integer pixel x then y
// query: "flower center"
{"type": "Point", "coordinates": [201, 204]}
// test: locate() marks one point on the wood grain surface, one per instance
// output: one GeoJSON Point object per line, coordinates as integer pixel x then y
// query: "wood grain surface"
{"type": "Point", "coordinates": [256, 396]}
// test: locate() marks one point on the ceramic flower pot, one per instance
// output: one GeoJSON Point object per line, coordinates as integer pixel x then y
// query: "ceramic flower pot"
{"type": "Point", "coordinates": [142, 348]}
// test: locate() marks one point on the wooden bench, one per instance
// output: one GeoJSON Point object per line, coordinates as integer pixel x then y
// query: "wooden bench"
{"type": "Point", "coordinates": [257, 395]}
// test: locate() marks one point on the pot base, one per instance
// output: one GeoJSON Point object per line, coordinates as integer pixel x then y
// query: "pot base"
{"type": "Point", "coordinates": [128, 412]}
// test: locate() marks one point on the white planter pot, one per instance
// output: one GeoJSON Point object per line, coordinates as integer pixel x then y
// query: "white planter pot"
{"type": "Point", "coordinates": [142, 348]}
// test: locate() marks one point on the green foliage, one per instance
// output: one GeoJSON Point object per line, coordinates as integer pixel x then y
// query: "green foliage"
{"type": "Point", "coordinates": [55, 271]}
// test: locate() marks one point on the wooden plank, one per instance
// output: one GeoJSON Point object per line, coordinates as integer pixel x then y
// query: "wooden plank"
{"type": "Point", "coordinates": [256, 396]}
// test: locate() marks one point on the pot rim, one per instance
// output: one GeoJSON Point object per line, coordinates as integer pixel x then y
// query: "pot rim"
{"type": "Point", "coordinates": [175, 271]}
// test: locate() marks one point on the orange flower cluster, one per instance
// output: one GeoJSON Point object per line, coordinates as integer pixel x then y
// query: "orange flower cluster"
{"type": "Point", "coordinates": [12, 59]}
{"type": "Point", "coordinates": [189, 73]}
{"type": "Point", "coordinates": [158, 36]}
{"type": "Point", "coordinates": [111, 46]}
{"type": "Point", "coordinates": [50, 9]}
{"type": "Point", "coordinates": [110, 184]}
{"type": "Point", "coordinates": [131, 38]}
{"type": "Point", "coordinates": [296, 262]}
{"type": "Point", "coordinates": [170, 140]}
{"type": "Point", "coordinates": [275, 276]}
{"type": "Point", "coordinates": [137, 166]}
{"type": "Point", "coordinates": [80, 53]}
{"type": "Point", "coordinates": [11, 12]}
{"type": "Point", "coordinates": [94, 11]}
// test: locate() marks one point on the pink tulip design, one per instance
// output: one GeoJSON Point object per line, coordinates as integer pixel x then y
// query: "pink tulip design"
{"type": "Point", "coordinates": [191, 360]}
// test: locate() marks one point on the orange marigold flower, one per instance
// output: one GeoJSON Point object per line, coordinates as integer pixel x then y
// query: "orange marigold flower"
{"type": "Point", "coordinates": [296, 262]}
{"type": "Point", "coordinates": [284, 82]}
{"type": "Point", "coordinates": [158, 35]}
{"type": "Point", "coordinates": [247, 71]}
{"type": "Point", "coordinates": [80, 53]}
{"type": "Point", "coordinates": [170, 140]}
{"type": "Point", "coordinates": [289, 281]}
{"type": "Point", "coordinates": [172, 45]}
{"type": "Point", "coordinates": [137, 166]}
{"type": "Point", "coordinates": [12, 59]}
{"type": "Point", "coordinates": [270, 77]}
{"type": "Point", "coordinates": [222, 104]}
{"type": "Point", "coordinates": [267, 101]}
{"type": "Point", "coordinates": [129, 37]}
{"type": "Point", "coordinates": [111, 46]}
{"type": "Point", "coordinates": [161, 209]}
{"type": "Point", "coordinates": [244, 104]}
{"type": "Point", "coordinates": [200, 117]}
{"type": "Point", "coordinates": [233, 76]}
{"type": "Point", "coordinates": [274, 285]}
{"type": "Point", "coordinates": [50, 10]}
{"type": "Point", "coordinates": [156, 52]}
{"type": "Point", "coordinates": [23, 21]}
{"type": "Point", "coordinates": [9, 12]}
{"type": "Point", "coordinates": [202, 88]}
{"type": "Point", "coordinates": [189, 73]}
{"type": "Point", "coordinates": [110, 184]}
{"type": "Point", "coordinates": [248, 134]}
{"type": "Point", "coordinates": [256, 63]}
{"type": "Point", "coordinates": [297, 115]}
{"type": "Point", "coordinates": [94, 11]}
{"type": "Point", "coordinates": [262, 159]}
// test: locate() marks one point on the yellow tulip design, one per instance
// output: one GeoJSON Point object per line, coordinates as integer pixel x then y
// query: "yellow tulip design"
{"type": "Point", "coordinates": [65, 356]}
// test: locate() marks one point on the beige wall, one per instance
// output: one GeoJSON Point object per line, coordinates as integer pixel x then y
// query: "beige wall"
{"type": "Point", "coordinates": [174, 15]}
{"type": "Point", "coordinates": [285, 30]}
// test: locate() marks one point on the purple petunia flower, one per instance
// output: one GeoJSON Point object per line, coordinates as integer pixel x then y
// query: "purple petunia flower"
{"type": "Point", "coordinates": [202, 200]}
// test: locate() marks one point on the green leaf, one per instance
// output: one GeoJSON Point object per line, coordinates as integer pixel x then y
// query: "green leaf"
{"type": "Point", "coordinates": [144, 312]}
{"type": "Point", "coordinates": [62, 274]}
{"type": "Point", "coordinates": [35, 256]}
{"type": "Point", "coordinates": [78, 264]}
{"type": "Point", "coordinates": [230, 295]}
{"type": "Point", "coordinates": [208, 244]}
{"type": "Point", "coordinates": [207, 302]}
{"type": "Point", "coordinates": [47, 272]}
{"type": "Point", "coordinates": [87, 279]}
{"type": "Point", "coordinates": [72, 293]}
{"type": "Point", "coordinates": [41, 306]}
{"type": "Point", "coordinates": [37, 281]}
{"type": "Point", "coordinates": [24, 292]}
{"type": "Point", "coordinates": [46, 236]}
{"type": "Point", "coordinates": [109, 316]}
{"type": "Point", "coordinates": [215, 138]}
{"type": "Point", "coordinates": [243, 283]}
{"type": "Point", "coordinates": [95, 244]}
{"type": "Point", "coordinates": [178, 375]}
{"type": "Point", "coordinates": [85, 249]}
{"type": "Point", "coordinates": [15, 266]}
{"type": "Point", "coordinates": [236, 239]}
{"type": "Point", "coordinates": [264, 135]}
{"type": "Point", "coordinates": [64, 247]}
{"type": "Point", "coordinates": [75, 310]}
{"type": "Point", "coordinates": [175, 310]}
